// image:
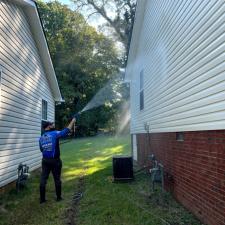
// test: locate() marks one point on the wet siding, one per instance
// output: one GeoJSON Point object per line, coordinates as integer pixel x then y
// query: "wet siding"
{"type": "Point", "coordinates": [181, 49]}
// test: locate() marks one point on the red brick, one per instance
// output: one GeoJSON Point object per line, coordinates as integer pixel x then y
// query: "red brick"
{"type": "Point", "coordinates": [198, 167]}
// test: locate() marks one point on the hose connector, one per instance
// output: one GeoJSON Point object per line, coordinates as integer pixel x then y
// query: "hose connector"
{"type": "Point", "coordinates": [76, 116]}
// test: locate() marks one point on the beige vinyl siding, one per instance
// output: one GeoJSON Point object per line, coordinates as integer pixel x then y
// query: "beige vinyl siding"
{"type": "Point", "coordinates": [182, 50]}
{"type": "Point", "coordinates": [24, 85]}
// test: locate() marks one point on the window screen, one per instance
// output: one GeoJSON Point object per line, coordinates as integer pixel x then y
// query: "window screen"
{"type": "Point", "coordinates": [142, 90]}
{"type": "Point", "coordinates": [44, 110]}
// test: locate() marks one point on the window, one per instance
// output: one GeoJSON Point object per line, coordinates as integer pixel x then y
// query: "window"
{"type": "Point", "coordinates": [142, 90]}
{"type": "Point", "coordinates": [44, 110]}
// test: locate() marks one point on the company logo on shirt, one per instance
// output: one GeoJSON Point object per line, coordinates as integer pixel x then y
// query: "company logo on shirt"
{"type": "Point", "coordinates": [46, 143]}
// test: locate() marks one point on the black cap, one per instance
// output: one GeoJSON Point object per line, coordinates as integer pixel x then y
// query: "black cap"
{"type": "Point", "coordinates": [46, 124]}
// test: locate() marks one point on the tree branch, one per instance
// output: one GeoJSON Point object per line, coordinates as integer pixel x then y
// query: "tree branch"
{"type": "Point", "coordinates": [101, 10]}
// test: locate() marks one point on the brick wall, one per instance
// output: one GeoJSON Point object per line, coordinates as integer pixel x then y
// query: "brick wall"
{"type": "Point", "coordinates": [197, 168]}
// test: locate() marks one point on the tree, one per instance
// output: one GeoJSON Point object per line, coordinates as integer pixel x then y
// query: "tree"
{"type": "Point", "coordinates": [84, 61]}
{"type": "Point", "coordinates": [121, 18]}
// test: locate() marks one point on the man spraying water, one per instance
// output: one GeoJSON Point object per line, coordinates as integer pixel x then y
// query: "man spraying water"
{"type": "Point", "coordinates": [51, 162]}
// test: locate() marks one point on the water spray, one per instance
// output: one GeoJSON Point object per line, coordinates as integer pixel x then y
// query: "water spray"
{"type": "Point", "coordinates": [108, 93]}
{"type": "Point", "coordinates": [77, 115]}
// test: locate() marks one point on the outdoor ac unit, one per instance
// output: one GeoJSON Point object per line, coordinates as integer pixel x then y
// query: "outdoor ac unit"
{"type": "Point", "coordinates": [123, 168]}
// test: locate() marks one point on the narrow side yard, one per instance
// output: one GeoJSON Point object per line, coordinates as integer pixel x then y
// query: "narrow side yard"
{"type": "Point", "coordinates": [87, 168]}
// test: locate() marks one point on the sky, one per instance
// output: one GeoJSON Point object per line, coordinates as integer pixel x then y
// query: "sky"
{"type": "Point", "coordinates": [65, 1]}
{"type": "Point", "coordinates": [93, 21]}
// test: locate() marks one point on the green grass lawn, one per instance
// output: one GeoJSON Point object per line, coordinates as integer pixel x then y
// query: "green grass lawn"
{"type": "Point", "coordinates": [87, 166]}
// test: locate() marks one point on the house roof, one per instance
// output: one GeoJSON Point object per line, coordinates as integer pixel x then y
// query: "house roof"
{"type": "Point", "coordinates": [139, 17]}
{"type": "Point", "coordinates": [30, 9]}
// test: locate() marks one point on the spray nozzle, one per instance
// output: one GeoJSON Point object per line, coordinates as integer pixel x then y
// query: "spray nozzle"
{"type": "Point", "coordinates": [77, 115]}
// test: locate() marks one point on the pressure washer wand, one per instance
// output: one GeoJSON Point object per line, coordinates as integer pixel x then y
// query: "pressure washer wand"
{"type": "Point", "coordinates": [77, 115]}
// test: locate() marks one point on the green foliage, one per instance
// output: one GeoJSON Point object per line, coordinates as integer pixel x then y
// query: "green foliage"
{"type": "Point", "coordinates": [84, 61]}
{"type": "Point", "coordinates": [118, 14]}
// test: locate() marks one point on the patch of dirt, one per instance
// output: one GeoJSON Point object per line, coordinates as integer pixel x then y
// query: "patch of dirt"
{"type": "Point", "coordinates": [72, 211]}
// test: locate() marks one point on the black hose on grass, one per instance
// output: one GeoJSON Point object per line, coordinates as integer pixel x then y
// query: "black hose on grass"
{"type": "Point", "coordinates": [77, 196]}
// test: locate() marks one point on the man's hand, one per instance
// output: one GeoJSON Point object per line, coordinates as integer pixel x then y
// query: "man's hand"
{"type": "Point", "coordinates": [73, 121]}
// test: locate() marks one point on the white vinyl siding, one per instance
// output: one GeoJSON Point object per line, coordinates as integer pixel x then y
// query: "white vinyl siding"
{"type": "Point", "coordinates": [182, 50]}
{"type": "Point", "coordinates": [24, 85]}
{"type": "Point", "coordinates": [134, 141]}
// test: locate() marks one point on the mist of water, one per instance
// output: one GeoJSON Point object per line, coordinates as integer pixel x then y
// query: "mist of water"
{"type": "Point", "coordinates": [124, 118]}
{"type": "Point", "coordinates": [106, 95]}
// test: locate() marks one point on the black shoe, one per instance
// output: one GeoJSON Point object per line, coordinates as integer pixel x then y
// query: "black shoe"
{"type": "Point", "coordinates": [42, 201]}
{"type": "Point", "coordinates": [58, 199]}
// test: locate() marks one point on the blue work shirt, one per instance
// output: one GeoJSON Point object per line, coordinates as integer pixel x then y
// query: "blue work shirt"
{"type": "Point", "coordinates": [49, 143]}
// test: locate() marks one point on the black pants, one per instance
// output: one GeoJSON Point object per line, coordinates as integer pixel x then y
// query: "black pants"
{"type": "Point", "coordinates": [54, 166]}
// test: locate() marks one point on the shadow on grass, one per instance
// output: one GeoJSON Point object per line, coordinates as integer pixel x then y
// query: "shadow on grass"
{"type": "Point", "coordinates": [103, 202]}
